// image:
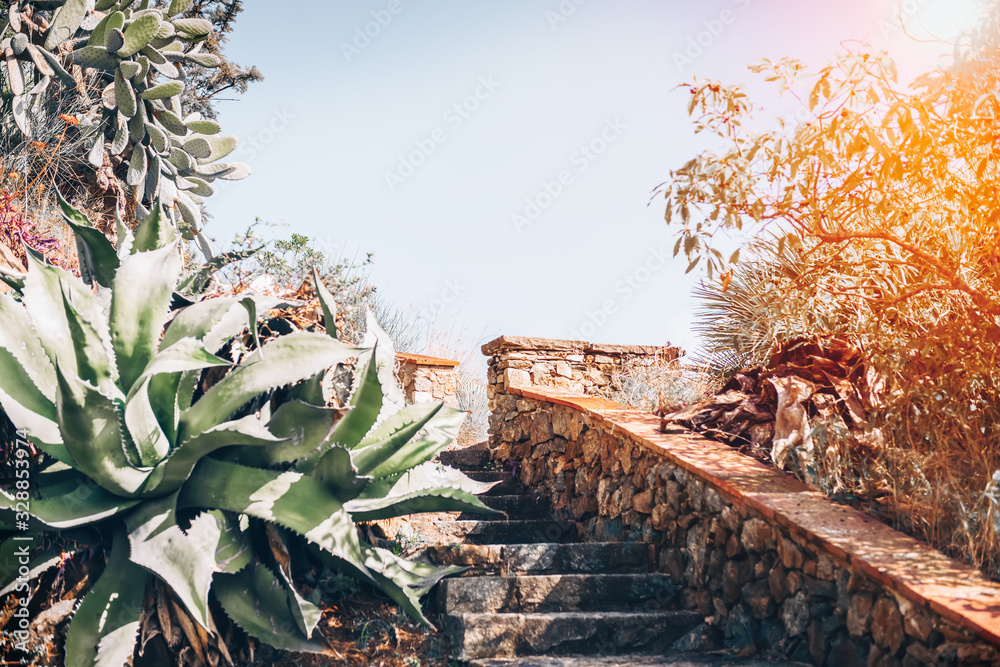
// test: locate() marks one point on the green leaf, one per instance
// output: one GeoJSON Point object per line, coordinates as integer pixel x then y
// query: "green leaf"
{"type": "Point", "coordinates": [154, 232]}
{"type": "Point", "coordinates": [337, 472]}
{"type": "Point", "coordinates": [209, 60]}
{"type": "Point", "coordinates": [143, 288]}
{"type": "Point", "coordinates": [13, 279]}
{"type": "Point", "coordinates": [303, 428]}
{"type": "Point", "coordinates": [124, 95]}
{"type": "Point", "coordinates": [220, 534]}
{"type": "Point", "coordinates": [261, 605]}
{"type": "Point", "coordinates": [91, 431]}
{"type": "Point", "coordinates": [289, 499]}
{"type": "Point", "coordinates": [97, 255]}
{"type": "Point", "coordinates": [282, 361]}
{"type": "Point", "coordinates": [178, 558]}
{"type": "Point", "coordinates": [365, 404]}
{"type": "Point", "coordinates": [309, 391]}
{"type": "Point", "coordinates": [203, 126]}
{"type": "Point", "coordinates": [92, 363]}
{"type": "Point", "coordinates": [69, 499]}
{"type": "Point", "coordinates": [65, 22]}
{"type": "Point", "coordinates": [25, 371]}
{"type": "Point", "coordinates": [327, 303]}
{"type": "Point", "coordinates": [151, 441]}
{"type": "Point", "coordinates": [10, 561]}
{"type": "Point", "coordinates": [138, 163]}
{"type": "Point", "coordinates": [177, 468]}
{"type": "Point", "coordinates": [65, 77]}
{"type": "Point", "coordinates": [393, 434]}
{"type": "Point", "coordinates": [139, 34]}
{"type": "Point", "coordinates": [439, 433]}
{"type": "Point", "coordinates": [221, 145]}
{"type": "Point", "coordinates": [251, 307]}
{"type": "Point", "coordinates": [405, 581]}
{"type": "Point", "coordinates": [442, 499]}
{"type": "Point", "coordinates": [306, 614]}
{"type": "Point", "coordinates": [43, 431]}
{"type": "Point", "coordinates": [384, 352]}
{"type": "Point", "coordinates": [44, 299]}
{"type": "Point", "coordinates": [428, 475]}
{"type": "Point", "coordinates": [103, 630]}
{"type": "Point", "coordinates": [178, 7]}
{"type": "Point", "coordinates": [113, 21]}
{"type": "Point", "coordinates": [216, 321]}
{"type": "Point", "coordinates": [97, 57]}
{"type": "Point", "coordinates": [163, 91]}
{"type": "Point", "coordinates": [192, 30]}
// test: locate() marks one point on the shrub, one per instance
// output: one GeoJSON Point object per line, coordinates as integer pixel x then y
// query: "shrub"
{"type": "Point", "coordinates": [885, 211]}
{"type": "Point", "coordinates": [206, 461]}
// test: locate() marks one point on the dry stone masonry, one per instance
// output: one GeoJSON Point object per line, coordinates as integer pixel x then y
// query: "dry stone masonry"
{"type": "Point", "coordinates": [767, 562]}
{"type": "Point", "coordinates": [576, 366]}
{"type": "Point", "coordinates": [426, 378]}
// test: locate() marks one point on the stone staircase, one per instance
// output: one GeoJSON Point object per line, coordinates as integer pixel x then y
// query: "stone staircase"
{"type": "Point", "coordinates": [536, 596]}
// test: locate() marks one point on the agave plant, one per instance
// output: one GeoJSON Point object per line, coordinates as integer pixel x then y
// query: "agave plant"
{"type": "Point", "coordinates": [182, 459]}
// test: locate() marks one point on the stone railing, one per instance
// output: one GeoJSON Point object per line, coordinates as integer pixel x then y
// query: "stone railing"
{"type": "Point", "coordinates": [768, 561]}
{"type": "Point", "coordinates": [573, 365]}
{"type": "Point", "coordinates": [426, 378]}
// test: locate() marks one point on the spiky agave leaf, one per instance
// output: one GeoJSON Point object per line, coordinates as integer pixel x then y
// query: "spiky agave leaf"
{"type": "Point", "coordinates": [258, 602]}
{"type": "Point", "coordinates": [303, 429]}
{"type": "Point", "coordinates": [428, 487]}
{"type": "Point", "coordinates": [90, 422]}
{"type": "Point", "coordinates": [69, 499]}
{"type": "Point", "coordinates": [282, 361]}
{"type": "Point", "coordinates": [159, 545]}
{"type": "Point", "coordinates": [103, 629]}
{"type": "Point", "coordinates": [406, 581]}
{"type": "Point", "coordinates": [288, 499]}
{"type": "Point", "coordinates": [143, 287]}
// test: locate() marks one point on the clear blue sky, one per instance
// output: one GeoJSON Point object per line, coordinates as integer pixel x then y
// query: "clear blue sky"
{"type": "Point", "coordinates": [422, 140]}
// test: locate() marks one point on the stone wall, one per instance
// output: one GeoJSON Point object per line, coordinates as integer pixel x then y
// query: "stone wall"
{"type": "Point", "coordinates": [572, 365]}
{"type": "Point", "coordinates": [427, 378]}
{"type": "Point", "coordinates": [770, 563]}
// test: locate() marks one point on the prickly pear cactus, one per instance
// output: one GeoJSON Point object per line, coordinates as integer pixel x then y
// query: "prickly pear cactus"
{"type": "Point", "coordinates": [140, 54]}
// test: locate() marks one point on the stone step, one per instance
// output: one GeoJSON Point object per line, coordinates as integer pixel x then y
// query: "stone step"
{"type": "Point", "coordinates": [595, 633]}
{"type": "Point", "coordinates": [559, 592]}
{"type": "Point", "coordinates": [533, 531]}
{"type": "Point", "coordinates": [574, 558]}
{"type": "Point", "coordinates": [468, 459]}
{"type": "Point", "coordinates": [674, 660]}
{"type": "Point", "coordinates": [519, 506]}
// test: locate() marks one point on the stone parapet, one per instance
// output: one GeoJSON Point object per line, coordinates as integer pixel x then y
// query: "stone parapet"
{"type": "Point", "coordinates": [426, 378]}
{"type": "Point", "coordinates": [573, 365]}
{"type": "Point", "coordinates": [770, 563]}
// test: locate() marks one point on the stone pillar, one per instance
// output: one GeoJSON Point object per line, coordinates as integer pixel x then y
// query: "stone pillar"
{"type": "Point", "coordinates": [576, 366]}
{"type": "Point", "coordinates": [426, 378]}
